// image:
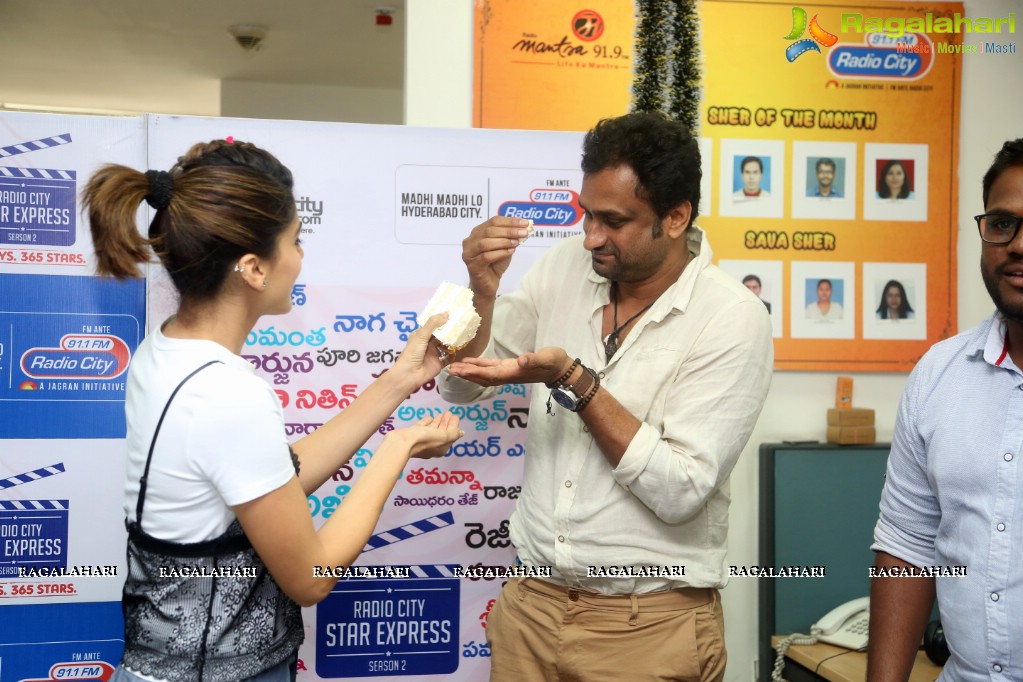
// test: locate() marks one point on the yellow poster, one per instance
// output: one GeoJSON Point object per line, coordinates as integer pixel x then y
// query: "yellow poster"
{"type": "Point", "coordinates": [829, 135]}
{"type": "Point", "coordinates": [831, 156]}
{"type": "Point", "coordinates": [551, 65]}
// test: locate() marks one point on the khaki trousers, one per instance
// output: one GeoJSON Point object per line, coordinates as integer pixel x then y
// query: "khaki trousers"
{"type": "Point", "coordinates": [538, 630]}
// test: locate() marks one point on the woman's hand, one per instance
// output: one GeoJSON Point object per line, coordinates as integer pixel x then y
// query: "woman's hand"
{"type": "Point", "coordinates": [434, 435]}
{"type": "Point", "coordinates": [421, 358]}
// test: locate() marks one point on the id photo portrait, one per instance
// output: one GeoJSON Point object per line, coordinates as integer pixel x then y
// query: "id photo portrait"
{"type": "Point", "coordinates": [827, 181]}
{"type": "Point", "coordinates": [894, 301]}
{"type": "Point", "coordinates": [823, 300]}
{"type": "Point", "coordinates": [895, 180]}
{"type": "Point", "coordinates": [824, 180]}
{"type": "Point", "coordinates": [752, 178]}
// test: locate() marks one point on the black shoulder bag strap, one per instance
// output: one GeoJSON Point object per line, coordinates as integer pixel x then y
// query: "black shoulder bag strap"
{"type": "Point", "coordinates": [144, 481]}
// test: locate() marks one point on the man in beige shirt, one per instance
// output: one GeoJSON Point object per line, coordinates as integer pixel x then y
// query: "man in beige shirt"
{"type": "Point", "coordinates": [657, 365]}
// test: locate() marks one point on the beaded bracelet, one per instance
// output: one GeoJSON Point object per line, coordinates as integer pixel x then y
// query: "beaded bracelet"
{"type": "Point", "coordinates": [592, 392]}
{"type": "Point", "coordinates": [560, 381]}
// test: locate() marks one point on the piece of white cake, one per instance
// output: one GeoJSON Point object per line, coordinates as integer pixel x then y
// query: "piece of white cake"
{"type": "Point", "coordinates": [463, 322]}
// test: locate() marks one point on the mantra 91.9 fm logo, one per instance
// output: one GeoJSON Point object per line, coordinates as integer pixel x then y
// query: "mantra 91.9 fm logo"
{"type": "Point", "coordinates": [587, 25]}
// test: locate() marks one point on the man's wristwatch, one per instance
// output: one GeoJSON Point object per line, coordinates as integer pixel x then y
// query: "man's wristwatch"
{"type": "Point", "coordinates": [576, 396]}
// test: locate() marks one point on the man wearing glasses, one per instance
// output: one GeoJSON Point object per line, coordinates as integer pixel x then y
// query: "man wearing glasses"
{"type": "Point", "coordinates": [825, 170]}
{"type": "Point", "coordinates": [953, 496]}
{"type": "Point", "coordinates": [656, 365]}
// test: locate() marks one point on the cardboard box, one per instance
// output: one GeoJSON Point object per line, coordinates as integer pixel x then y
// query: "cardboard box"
{"type": "Point", "coordinates": [852, 435]}
{"type": "Point", "coordinates": [851, 416]}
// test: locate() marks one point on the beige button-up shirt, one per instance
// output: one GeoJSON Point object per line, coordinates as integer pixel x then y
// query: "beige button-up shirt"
{"type": "Point", "coordinates": [695, 369]}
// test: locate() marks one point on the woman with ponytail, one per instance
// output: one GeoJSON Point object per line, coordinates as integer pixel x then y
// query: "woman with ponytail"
{"type": "Point", "coordinates": [222, 551]}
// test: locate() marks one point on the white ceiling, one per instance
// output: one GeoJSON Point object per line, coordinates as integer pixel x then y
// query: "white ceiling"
{"type": "Point", "coordinates": [169, 56]}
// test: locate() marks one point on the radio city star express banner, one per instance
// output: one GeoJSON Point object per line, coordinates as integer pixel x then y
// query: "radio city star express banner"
{"type": "Point", "coordinates": [829, 138]}
{"type": "Point", "coordinates": [384, 210]}
{"type": "Point", "coordinates": [65, 340]}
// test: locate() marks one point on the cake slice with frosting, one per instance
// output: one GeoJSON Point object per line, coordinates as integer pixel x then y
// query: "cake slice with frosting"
{"type": "Point", "coordinates": [463, 322]}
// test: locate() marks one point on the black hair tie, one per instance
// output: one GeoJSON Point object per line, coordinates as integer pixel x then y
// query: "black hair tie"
{"type": "Point", "coordinates": [161, 187]}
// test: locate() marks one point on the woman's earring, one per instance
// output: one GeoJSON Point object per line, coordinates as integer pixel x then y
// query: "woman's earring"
{"type": "Point", "coordinates": [264, 285]}
{"type": "Point", "coordinates": [238, 267]}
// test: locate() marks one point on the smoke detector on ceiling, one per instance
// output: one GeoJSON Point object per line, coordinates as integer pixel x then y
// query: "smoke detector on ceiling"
{"type": "Point", "coordinates": [248, 36]}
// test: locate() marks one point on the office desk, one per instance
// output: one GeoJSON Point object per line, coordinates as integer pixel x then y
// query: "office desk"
{"type": "Point", "coordinates": [850, 666]}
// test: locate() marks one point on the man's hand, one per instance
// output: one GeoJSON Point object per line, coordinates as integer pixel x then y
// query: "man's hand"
{"type": "Point", "coordinates": [487, 252]}
{"type": "Point", "coordinates": [543, 367]}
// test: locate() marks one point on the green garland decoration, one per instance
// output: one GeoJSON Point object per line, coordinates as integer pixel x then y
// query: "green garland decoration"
{"type": "Point", "coordinates": [667, 60]}
{"type": "Point", "coordinates": [651, 56]}
{"type": "Point", "coordinates": [685, 82]}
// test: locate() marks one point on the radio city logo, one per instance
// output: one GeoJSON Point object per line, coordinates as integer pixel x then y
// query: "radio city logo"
{"type": "Point", "coordinates": [817, 35]}
{"type": "Point", "coordinates": [80, 356]}
{"type": "Point", "coordinates": [883, 57]}
{"type": "Point", "coordinates": [546, 207]}
{"type": "Point", "coordinates": [886, 53]}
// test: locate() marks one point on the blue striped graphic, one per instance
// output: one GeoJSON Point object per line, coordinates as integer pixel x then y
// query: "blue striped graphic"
{"type": "Point", "coordinates": [34, 145]}
{"type": "Point", "coordinates": [434, 570]}
{"type": "Point", "coordinates": [389, 537]}
{"type": "Point", "coordinates": [38, 173]}
{"type": "Point", "coordinates": [29, 476]}
{"type": "Point", "coordinates": [34, 505]}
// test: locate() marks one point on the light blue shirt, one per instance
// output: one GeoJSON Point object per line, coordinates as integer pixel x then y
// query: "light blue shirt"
{"type": "Point", "coordinates": [953, 496]}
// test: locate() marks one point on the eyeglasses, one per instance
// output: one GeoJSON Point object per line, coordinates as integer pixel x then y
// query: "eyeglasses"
{"type": "Point", "coordinates": [998, 228]}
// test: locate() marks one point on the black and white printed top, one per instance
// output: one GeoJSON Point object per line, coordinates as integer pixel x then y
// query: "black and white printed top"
{"type": "Point", "coordinates": [207, 610]}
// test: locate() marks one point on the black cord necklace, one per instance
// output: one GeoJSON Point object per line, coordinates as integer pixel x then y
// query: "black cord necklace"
{"type": "Point", "coordinates": [611, 345]}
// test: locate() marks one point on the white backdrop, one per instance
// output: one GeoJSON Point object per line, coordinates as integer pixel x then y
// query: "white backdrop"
{"type": "Point", "coordinates": [384, 210]}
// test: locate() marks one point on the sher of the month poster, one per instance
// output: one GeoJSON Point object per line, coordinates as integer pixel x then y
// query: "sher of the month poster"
{"type": "Point", "coordinates": [835, 152]}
